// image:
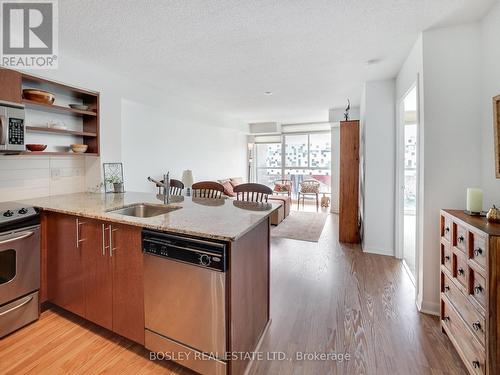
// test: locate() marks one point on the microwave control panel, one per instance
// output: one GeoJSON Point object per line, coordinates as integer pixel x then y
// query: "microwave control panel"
{"type": "Point", "coordinates": [16, 131]}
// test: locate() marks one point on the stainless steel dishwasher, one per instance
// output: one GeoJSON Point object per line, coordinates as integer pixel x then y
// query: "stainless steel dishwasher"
{"type": "Point", "coordinates": [185, 300]}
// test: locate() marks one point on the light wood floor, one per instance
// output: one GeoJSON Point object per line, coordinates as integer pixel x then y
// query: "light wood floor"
{"type": "Point", "coordinates": [325, 297]}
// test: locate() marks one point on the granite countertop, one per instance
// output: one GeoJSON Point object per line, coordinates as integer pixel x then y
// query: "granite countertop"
{"type": "Point", "coordinates": [222, 219]}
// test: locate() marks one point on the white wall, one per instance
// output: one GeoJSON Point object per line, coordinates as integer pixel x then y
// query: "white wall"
{"type": "Point", "coordinates": [379, 161]}
{"type": "Point", "coordinates": [113, 88]}
{"type": "Point", "coordinates": [162, 140]}
{"type": "Point", "coordinates": [490, 87]}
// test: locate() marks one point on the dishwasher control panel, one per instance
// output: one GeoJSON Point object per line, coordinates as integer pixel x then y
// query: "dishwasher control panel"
{"type": "Point", "coordinates": [202, 253]}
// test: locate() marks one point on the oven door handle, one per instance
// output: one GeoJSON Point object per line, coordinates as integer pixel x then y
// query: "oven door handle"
{"type": "Point", "coordinates": [28, 300]}
{"type": "Point", "coordinates": [15, 238]}
{"type": "Point", "coordinates": [3, 131]}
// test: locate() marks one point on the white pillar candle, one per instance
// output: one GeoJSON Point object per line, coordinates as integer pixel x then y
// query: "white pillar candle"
{"type": "Point", "coordinates": [474, 200]}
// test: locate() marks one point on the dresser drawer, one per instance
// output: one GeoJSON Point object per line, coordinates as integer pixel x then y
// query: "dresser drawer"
{"type": "Point", "coordinates": [478, 249]}
{"type": "Point", "coordinates": [460, 268]}
{"type": "Point", "coordinates": [446, 256]}
{"type": "Point", "coordinates": [472, 317]}
{"type": "Point", "coordinates": [468, 347]}
{"type": "Point", "coordinates": [446, 228]}
{"type": "Point", "coordinates": [460, 237]}
{"type": "Point", "coordinates": [479, 288]}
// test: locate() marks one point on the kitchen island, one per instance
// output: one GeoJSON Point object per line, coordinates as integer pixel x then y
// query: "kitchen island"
{"type": "Point", "coordinates": [207, 318]}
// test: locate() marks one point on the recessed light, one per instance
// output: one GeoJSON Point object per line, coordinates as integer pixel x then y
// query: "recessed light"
{"type": "Point", "coordinates": [268, 93]}
{"type": "Point", "coordinates": [372, 61]}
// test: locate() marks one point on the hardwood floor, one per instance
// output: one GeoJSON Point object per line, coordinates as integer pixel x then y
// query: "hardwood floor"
{"type": "Point", "coordinates": [325, 297]}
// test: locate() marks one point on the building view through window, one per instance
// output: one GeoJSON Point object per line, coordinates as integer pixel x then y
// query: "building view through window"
{"type": "Point", "coordinates": [298, 157]}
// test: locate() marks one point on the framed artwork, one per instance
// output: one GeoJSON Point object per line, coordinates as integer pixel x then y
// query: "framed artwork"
{"type": "Point", "coordinates": [496, 125]}
{"type": "Point", "coordinates": [113, 177]}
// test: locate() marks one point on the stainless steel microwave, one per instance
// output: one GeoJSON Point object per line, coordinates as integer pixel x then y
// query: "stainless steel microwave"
{"type": "Point", "coordinates": [12, 128]}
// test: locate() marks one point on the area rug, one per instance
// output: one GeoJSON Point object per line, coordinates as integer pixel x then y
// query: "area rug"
{"type": "Point", "coordinates": [302, 226]}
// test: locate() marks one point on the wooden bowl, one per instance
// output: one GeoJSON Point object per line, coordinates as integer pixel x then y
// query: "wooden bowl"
{"type": "Point", "coordinates": [36, 147]}
{"type": "Point", "coordinates": [78, 148]}
{"type": "Point", "coordinates": [39, 96]}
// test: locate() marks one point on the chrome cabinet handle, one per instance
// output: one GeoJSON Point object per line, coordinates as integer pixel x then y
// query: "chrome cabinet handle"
{"type": "Point", "coordinates": [447, 230]}
{"type": "Point", "coordinates": [478, 251]}
{"type": "Point", "coordinates": [476, 364]}
{"type": "Point", "coordinates": [461, 239]}
{"type": "Point", "coordinates": [446, 288]}
{"type": "Point", "coordinates": [16, 238]}
{"type": "Point", "coordinates": [28, 300]}
{"type": "Point", "coordinates": [104, 247]}
{"type": "Point", "coordinates": [478, 289]}
{"type": "Point", "coordinates": [111, 248]}
{"type": "Point", "coordinates": [78, 240]}
{"type": "Point", "coordinates": [461, 271]}
{"type": "Point", "coordinates": [447, 258]}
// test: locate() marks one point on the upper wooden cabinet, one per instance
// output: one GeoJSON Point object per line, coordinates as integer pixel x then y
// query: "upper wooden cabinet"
{"type": "Point", "coordinates": [95, 270]}
{"type": "Point", "coordinates": [10, 86]}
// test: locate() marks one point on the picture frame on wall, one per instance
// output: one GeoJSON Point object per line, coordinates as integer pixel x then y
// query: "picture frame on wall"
{"type": "Point", "coordinates": [113, 177]}
{"type": "Point", "coordinates": [496, 129]}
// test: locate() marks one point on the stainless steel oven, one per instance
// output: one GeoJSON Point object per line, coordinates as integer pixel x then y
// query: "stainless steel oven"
{"type": "Point", "coordinates": [19, 268]}
{"type": "Point", "coordinates": [12, 128]}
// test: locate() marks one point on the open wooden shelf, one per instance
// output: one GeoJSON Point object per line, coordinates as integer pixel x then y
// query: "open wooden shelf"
{"type": "Point", "coordinates": [38, 129]}
{"type": "Point", "coordinates": [57, 108]}
{"type": "Point", "coordinates": [50, 153]}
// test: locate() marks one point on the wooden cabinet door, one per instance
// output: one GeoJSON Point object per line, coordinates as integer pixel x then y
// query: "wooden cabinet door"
{"type": "Point", "coordinates": [128, 285]}
{"type": "Point", "coordinates": [64, 262]}
{"type": "Point", "coordinates": [98, 281]}
{"type": "Point", "coordinates": [10, 84]}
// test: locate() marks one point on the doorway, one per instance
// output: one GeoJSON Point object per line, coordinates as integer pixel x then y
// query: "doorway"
{"type": "Point", "coordinates": [408, 176]}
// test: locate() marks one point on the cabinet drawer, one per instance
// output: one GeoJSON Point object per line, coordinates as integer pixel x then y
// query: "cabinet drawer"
{"type": "Point", "coordinates": [446, 256]}
{"type": "Point", "coordinates": [460, 268]}
{"type": "Point", "coordinates": [478, 249]}
{"type": "Point", "coordinates": [479, 290]}
{"type": "Point", "coordinates": [460, 237]}
{"type": "Point", "coordinates": [469, 349]}
{"type": "Point", "coordinates": [473, 319]}
{"type": "Point", "coordinates": [446, 228]}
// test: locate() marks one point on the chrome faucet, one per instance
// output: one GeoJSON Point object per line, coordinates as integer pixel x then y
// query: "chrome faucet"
{"type": "Point", "coordinates": [165, 185]}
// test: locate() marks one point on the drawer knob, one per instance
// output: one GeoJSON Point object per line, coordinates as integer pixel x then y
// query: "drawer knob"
{"type": "Point", "coordinates": [446, 288]}
{"type": "Point", "coordinates": [478, 251]}
{"type": "Point", "coordinates": [461, 271]}
{"type": "Point", "coordinates": [447, 258]}
{"type": "Point", "coordinates": [461, 239]}
{"type": "Point", "coordinates": [447, 230]}
{"type": "Point", "coordinates": [446, 318]}
{"type": "Point", "coordinates": [478, 289]}
{"type": "Point", "coordinates": [476, 364]}
{"type": "Point", "coordinates": [476, 326]}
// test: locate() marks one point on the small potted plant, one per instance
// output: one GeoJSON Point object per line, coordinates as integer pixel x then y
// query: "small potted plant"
{"type": "Point", "coordinates": [117, 183]}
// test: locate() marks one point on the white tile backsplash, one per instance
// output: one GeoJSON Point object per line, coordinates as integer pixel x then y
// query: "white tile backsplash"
{"type": "Point", "coordinates": [23, 177]}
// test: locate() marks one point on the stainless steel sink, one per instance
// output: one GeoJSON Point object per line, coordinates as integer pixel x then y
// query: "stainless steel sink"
{"type": "Point", "coordinates": [144, 210]}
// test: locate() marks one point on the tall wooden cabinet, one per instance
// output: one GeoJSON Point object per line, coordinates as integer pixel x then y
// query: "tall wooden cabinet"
{"type": "Point", "coordinates": [94, 269]}
{"type": "Point", "coordinates": [349, 182]}
{"type": "Point", "coordinates": [470, 297]}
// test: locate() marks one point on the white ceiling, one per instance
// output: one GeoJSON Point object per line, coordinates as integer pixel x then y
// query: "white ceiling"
{"type": "Point", "coordinates": [225, 54]}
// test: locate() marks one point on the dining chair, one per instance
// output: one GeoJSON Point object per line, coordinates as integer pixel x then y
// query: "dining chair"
{"type": "Point", "coordinates": [283, 187]}
{"type": "Point", "coordinates": [176, 187]}
{"type": "Point", "coordinates": [308, 187]}
{"type": "Point", "coordinates": [252, 192]}
{"type": "Point", "coordinates": [207, 189]}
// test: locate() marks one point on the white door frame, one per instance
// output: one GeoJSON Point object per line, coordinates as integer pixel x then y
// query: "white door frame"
{"type": "Point", "coordinates": [400, 180]}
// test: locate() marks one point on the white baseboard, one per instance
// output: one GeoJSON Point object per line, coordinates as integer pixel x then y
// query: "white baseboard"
{"type": "Point", "coordinates": [377, 250]}
{"type": "Point", "coordinates": [426, 307]}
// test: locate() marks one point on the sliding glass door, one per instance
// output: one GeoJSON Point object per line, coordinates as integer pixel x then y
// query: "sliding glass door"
{"type": "Point", "coordinates": [299, 157]}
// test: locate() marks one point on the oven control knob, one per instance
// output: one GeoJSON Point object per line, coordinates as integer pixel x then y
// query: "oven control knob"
{"type": "Point", "coordinates": [204, 260]}
{"type": "Point", "coordinates": [23, 211]}
{"type": "Point", "coordinates": [8, 213]}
